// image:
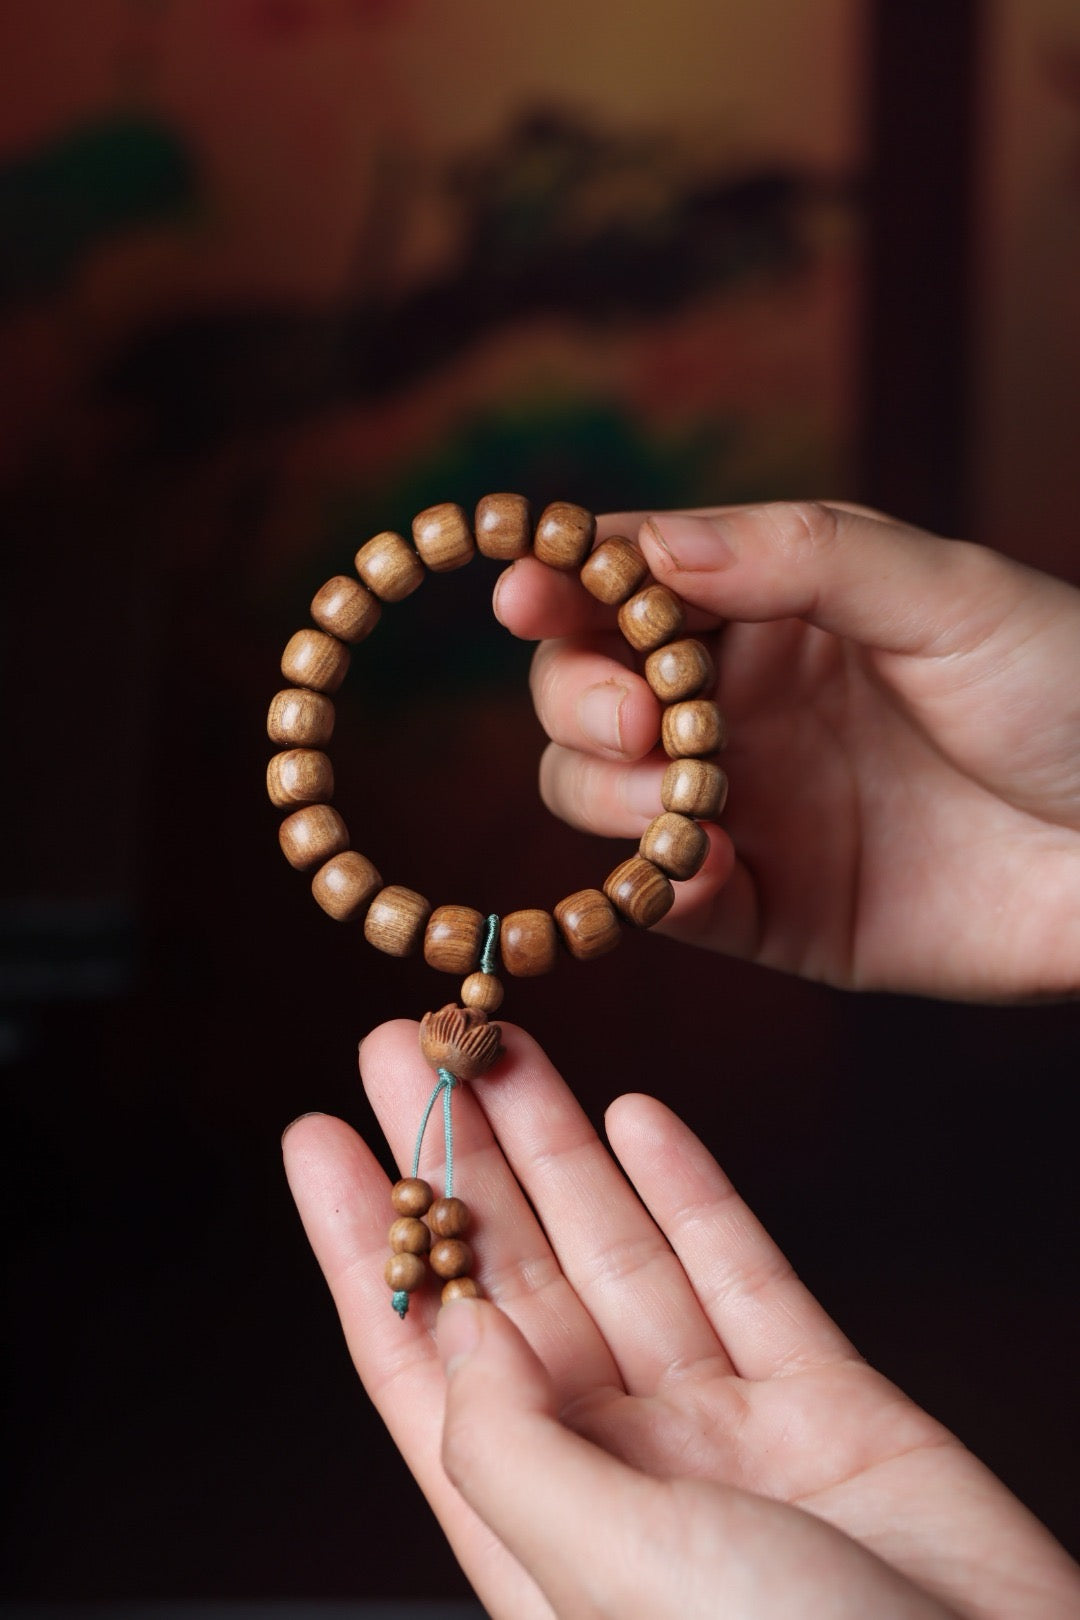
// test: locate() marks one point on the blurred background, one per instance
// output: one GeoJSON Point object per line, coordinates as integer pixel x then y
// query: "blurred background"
{"type": "Point", "coordinates": [274, 274]}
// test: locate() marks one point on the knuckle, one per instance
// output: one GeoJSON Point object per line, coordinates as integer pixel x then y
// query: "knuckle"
{"type": "Point", "coordinates": [802, 528]}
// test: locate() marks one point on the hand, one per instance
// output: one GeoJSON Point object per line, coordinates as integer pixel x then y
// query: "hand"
{"type": "Point", "coordinates": [905, 745]}
{"type": "Point", "coordinates": [660, 1419]}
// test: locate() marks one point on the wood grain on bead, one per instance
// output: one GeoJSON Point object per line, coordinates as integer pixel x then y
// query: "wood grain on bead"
{"type": "Point", "coordinates": [503, 527]}
{"type": "Point", "coordinates": [460, 1039]}
{"type": "Point", "coordinates": [389, 566]}
{"type": "Point", "coordinates": [459, 1288]}
{"type": "Point", "coordinates": [314, 659]}
{"type": "Point", "coordinates": [299, 776]}
{"type": "Point", "coordinates": [528, 943]}
{"type": "Point", "coordinates": [482, 991]}
{"type": "Point", "coordinates": [395, 920]}
{"type": "Point", "coordinates": [652, 616]}
{"type": "Point", "coordinates": [299, 718]}
{"type": "Point", "coordinates": [674, 843]}
{"type": "Point", "coordinates": [564, 535]}
{"type": "Point", "coordinates": [588, 924]}
{"type": "Point", "coordinates": [443, 537]}
{"type": "Point", "coordinates": [451, 1257]}
{"type": "Point", "coordinates": [311, 835]}
{"type": "Point", "coordinates": [640, 891]}
{"type": "Point", "coordinates": [694, 787]}
{"type": "Point", "coordinates": [411, 1196]}
{"type": "Point", "coordinates": [453, 939]}
{"type": "Point", "coordinates": [344, 608]}
{"type": "Point", "coordinates": [449, 1217]}
{"type": "Point", "coordinates": [404, 1273]}
{"type": "Point", "coordinates": [680, 670]}
{"type": "Point", "coordinates": [614, 571]}
{"type": "Point", "coordinates": [345, 885]}
{"type": "Point", "coordinates": [692, 729]}
{"type": "Point", "coordinates": [409, 1235]}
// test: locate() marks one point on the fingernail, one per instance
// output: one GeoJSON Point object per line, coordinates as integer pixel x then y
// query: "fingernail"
{"type": "Point", "coordinates": [639, 790]}
{"type": "Point", "coordinates": [693, 543]}
{"type": "Point", "coordinates": [457, 1333]}
{"type": "Point", "coordinates": [312, 1113]}
{"type": "Point", "coordinates": [599, 712]}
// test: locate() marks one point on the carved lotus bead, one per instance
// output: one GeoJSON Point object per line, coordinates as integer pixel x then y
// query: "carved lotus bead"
{"type": "Point", "coordinates": [460, 1039]}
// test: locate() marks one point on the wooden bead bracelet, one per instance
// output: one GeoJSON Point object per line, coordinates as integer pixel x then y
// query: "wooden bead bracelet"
{"type": "Point", "coordinates": [459, 1041]}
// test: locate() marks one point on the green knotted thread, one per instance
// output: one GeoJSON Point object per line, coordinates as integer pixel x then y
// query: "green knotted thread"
{"type": "Point", "coordinates": [400, 1302]}
{"type": "Point", "coordinates": [489, 956]}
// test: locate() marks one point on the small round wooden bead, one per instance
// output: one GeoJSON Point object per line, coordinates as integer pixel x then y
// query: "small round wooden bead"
{"type": "Point", "coordinates": [345, 884]}
{"type": "Point", "coordinates": [564, 535]}
{"type": "Point", "coordinates": [411, 1196]}
{"type": "Point", "coordinates": [694, 787]}
{"type": "Point", "coordinates": [503, 527]}
{"type": "Point", "coordinates": [299, 776]}
{"type": "Point", "coordinates": [692, 729]}
{"type": "Point", "coordinates": [389, 566]}
{"type": "Point", "coordinates": [640, 891]}
{"type": "Point", "coordinates": [443, 538]}
{"type": "Point", "coordinates": [409, 1235]}
{"type": "Point", "coordinates": [459, 1288]}
{"type": "Point", "coordinates": [300, 719]}
{"type": "Point", "coordinates": [528, 943]}
{"type": "Point", "coordinates": [588, 924]}
{"type": "Point", "coordinates": [453, 939]}
{"type": "Point", "coordinates": [675, 844]}
{"type": "Point", "coordinates": [404, 1273]}
{"type": "Point", "coordinates": [451, 1257]}
{"type": "Point", "coordinates": [651, 617]}
{"type": "Point", "coordinates": [395, 920]}
{"type": "Point", "coordinates": [448, 1217]}
{"type": "Point", "coordinates": [311, 835]}
{"type": "Point", "coordinates": [482, 991]}
{"type": "Point", "coordinates": [680, 670]}
{"type": "Point", "coordinates": [345, 609]}
{"type": "Point", "coordinates": [314, 659]}
{"type": "Point", "coordinates": [614, 571]}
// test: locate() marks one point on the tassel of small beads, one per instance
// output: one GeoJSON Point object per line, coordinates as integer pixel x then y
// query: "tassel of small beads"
{"type": "Point", "coordinates": [442, 1236]}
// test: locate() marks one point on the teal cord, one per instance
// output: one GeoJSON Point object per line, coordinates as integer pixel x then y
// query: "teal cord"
{"type": "Point", "coordinates": [445, 1086]}
{"type": "Point", "coordinates": [400, 1302]}
{"type": "Point", "coordinates": [489, 957]}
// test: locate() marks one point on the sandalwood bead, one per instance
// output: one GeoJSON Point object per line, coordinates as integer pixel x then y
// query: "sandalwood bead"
{"type": "Point", "coordinates": [453, 939]}
{"type": "Point", "coordinates": [680, 670]}
{"type": "Point", "coordinates": [411, 1196]}
{"type": "Point", "coordinates": [588, 924]}
{"type": "Point", "coordinates": [614, 571]}
{"type": "Point", "coordinates": [311, 835]}
{"type": "Point", "coordinates": [694, 787]}
{"type": "Point", "coordinates": [448, 1217]}
{"type": "Point", "coordinates": [345, 609]}
{"type": "Point", "coordinates": [640, 891]}
{"type": "Point", "coordinates": [459, 1288]}
{"type": "Point", "coordinates": [503, 528]}
{"type": "Point", "coordinates": [300, 719]}
{"type": "Point", "coordinates": [299, 776]}
{"type": "Point", "coordinates": [408, 1235]}
{"type": "Point", "coordinates": [314, 659]}
{"type": "Point", "coordinates": [528, 943]}
{"type": "Point", "coordinates": [482, 991]}
{"type": "Point", "coordinates": [345, 884]}
{"type": "Point", "coordinates": [443, 538]}
{"type": "Point", "coordinates": [564, 535]}
{"type": "Point", "coordinates": [389, 566]}
{"type": "Point", "coordinates": [651, 617]}
{"type": "Point", "coordinates": [404, 1272]}
{"type": "Point", "coordinates": [692, 729]}
{"type": "Point", "coordinates": [451, 1257]}
{"type": "Point", "coordinates": [395, 920]}
{"type": "Point", "coordinates": [675, 844]}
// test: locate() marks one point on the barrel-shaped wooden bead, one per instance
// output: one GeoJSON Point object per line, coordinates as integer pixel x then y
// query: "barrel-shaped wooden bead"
{"type": "Point", "coordinates": [448, 1217]}
{"type": "Point", "coordinates": [675, 844]}
{"type": "Point", "coordinates": [528, 943]}
{"type": "Point", "coordinates": [443, 537]}
{"type": "Point", "coordinates": [404, 1273]}
{"type": "Point", "coordinates": [503, 527]}
{"type": "Point", "coordinates": [311, 835]}
{"type": "Point", "coordinates": [459, 1288]}
{"type": "Point", "coordinates": [453, 939]}
{"type": "Point", "coordinates": [395, 920]}
{"type": "Point", "coordinates": [314, 659]}
{"type": "Point", "coordinates": [692, 729]}
{"type": "Point", "coordinates": [389, 566]}
{"type": "Point", "coordinates": [588, 924]}
{"type": "Point", "coordinates": [345, 885]}
{"type": "Point", "coordinates": [640, 891]}
{"type": "Point", "coordinates": [680, 670]}
{"type": "Point", "coordinates": [614, 571]}
{"type": "Point", "coordinates": [411, 1196]}
{"type": "Point", "coordinates": [344, 608]}
{"type": "Point", "coordinates": [652, 616]}
{"type": "Point", "coordinates": [694, 787]}
{"type": "Point", "coordinates": [299, 776]}
{"type": "Point", "coordinates": [451, 1257]}
{"type": "Point", "coordinates": [409, 1235]}
{"type": "Point", "coordinates": [564, 535]}
{"type": "Point", "coordinates": [300, 719]}
{"type": "Point", "coordinates": [482, 991]}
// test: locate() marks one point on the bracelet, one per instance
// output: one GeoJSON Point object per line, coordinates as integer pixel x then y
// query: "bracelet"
{"type": "Point", "coordinates": [460, 1042]}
